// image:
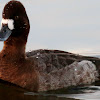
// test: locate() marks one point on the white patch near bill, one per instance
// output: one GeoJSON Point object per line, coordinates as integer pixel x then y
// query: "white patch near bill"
{"type": "Point", "coordinates": [10, 23]}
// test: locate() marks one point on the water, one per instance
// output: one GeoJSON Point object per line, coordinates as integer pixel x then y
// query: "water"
{"type": "Point", "coordinates": [12, 92]}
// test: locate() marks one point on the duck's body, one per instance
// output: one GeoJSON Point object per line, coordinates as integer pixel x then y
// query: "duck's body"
{"type": "Point", "coordinates": [39, 70]}
{"type": "Point", "coordinates": [17, 69]}
{"type": "Point", "coordinates": [59, 69]}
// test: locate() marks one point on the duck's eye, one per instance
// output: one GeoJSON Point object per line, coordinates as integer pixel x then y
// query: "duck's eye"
{"type": "Point", "coordinates": [16, 17]}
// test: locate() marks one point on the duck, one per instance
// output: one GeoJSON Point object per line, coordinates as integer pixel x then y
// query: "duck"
{"type": "Point", "coordinates": [43, 69]}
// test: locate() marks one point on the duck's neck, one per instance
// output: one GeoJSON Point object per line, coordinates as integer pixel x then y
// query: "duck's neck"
{"type": "Point", "coordinates": [13, 51]}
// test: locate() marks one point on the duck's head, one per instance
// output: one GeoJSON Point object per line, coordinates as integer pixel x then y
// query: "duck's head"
{"type": "Point", "coordinates": [15, 23]}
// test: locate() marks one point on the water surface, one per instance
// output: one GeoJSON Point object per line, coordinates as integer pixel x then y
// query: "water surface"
{"type": "Point", "coordinates": [11, 92]}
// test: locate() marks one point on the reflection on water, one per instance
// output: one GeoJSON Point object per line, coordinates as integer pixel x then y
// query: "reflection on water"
{"type": "Point", "coordinates": [87, 96]}
{"type": "Point", "coordinates": [89, 93]}
{"type": "Point", "coordinates": [11, 92]}
{"type": "Point", "coordinates": [78, 93]}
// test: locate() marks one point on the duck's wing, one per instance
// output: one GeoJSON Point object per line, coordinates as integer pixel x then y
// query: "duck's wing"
{"type": "Point", "coordinates": [49, 60]}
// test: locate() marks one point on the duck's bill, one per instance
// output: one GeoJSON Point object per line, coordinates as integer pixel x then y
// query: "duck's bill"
{"type": "Point", "coordinates": [5, 32]}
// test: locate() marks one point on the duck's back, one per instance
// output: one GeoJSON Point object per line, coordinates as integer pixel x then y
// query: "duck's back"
{"type": "Point", "coordinates": [59, 69]}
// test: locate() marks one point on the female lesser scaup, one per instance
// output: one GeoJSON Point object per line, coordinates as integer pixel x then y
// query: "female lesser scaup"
{"type": "Point", "coordinates": [39, 70]}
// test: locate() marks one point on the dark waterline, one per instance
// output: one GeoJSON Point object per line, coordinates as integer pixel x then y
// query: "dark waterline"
{"type": "Point", "coordinates": [12, 92]}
